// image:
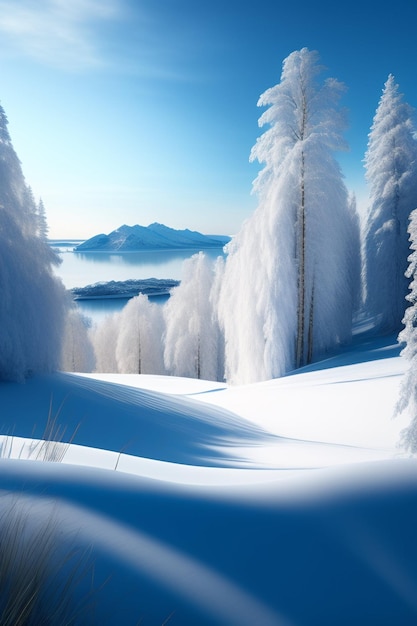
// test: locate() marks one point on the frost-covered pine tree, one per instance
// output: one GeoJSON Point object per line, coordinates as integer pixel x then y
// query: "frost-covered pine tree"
{"type": "Point", "coordinates": [408, 336]}
{"type": "Point", "coordinates": [192, 332]}
{"type": "Point", "coordinates": [139, 348]}
{"type": "Point", "coordinates": [33, 301]}
{"type": "Point", "coordinates": [391, 170]}
{"type": "Point", "coordinates": [42, 225]}
{"type": "Point", "coordinates": [289, 283]}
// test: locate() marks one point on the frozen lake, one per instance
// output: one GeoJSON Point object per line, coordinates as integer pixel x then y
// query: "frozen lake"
{"type": "Point", "coordinates": [79, 269]}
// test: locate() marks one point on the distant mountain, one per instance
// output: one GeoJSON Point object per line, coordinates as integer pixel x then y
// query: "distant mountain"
{"type": "Point", "coordinates": [153, 237]}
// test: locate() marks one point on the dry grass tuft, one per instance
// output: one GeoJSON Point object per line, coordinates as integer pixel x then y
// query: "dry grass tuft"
{"type": "Point", "coordinates": [39, 581]}
{"type": "Point", "coordinates": [50, 448]}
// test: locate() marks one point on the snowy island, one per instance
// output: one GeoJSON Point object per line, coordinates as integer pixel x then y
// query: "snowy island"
{"type": "Point", "coordinates": [153, 237]}
{"type": "Point", "coordinates": [125, 288]}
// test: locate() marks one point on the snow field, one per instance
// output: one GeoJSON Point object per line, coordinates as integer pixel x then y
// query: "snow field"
{"type": "Point", "coordinates": [282, 503]}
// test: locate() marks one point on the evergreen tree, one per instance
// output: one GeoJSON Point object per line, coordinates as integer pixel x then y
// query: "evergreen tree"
{"type": "Point", "coordinates": [289, 283]}
{"type": "Point", "coordinates": [33, 301]}
{"type": "Point", "coordinates": [391, 170]}
{"type": "Point", "coordinates": [408, 336]}
{"type": "Point", "coordinates": [42, 225]}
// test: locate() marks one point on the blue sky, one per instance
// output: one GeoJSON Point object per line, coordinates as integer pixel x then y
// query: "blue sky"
{"type": "Point", "coordinates": [134, 111]}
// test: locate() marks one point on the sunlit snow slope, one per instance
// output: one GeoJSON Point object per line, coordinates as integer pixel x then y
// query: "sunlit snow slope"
{"type": "Point", "coordinates": [280, 503]}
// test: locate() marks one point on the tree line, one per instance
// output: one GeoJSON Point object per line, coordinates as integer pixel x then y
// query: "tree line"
{"type": "Point", "coordinates": [302, 265]}
{"type": "Point", "coordinates": [299, 270]}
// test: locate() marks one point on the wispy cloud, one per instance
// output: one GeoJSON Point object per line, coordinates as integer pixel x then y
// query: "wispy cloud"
{"type": "Point", "coordinates": [59, 32]}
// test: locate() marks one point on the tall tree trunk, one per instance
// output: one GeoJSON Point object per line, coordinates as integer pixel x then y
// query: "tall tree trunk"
{"type": "Point", "coordinates": [299, 354]}
{"type": "Point", "coordinates": [310, 328]}
{"type": "Point", "coordinates": [399, 267]}
{"type": "Point", "coordinates": [198, 357]}
{"type": "Point", "coordinates": [301, 222]}
{"type": "Point", "coordinates": [395, 214]}
{"type": "Point", "coordinates": [139, 353]}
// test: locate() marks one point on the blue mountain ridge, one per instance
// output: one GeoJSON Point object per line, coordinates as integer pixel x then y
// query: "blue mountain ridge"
{"type": "Point", "coordinates": [153, 237]}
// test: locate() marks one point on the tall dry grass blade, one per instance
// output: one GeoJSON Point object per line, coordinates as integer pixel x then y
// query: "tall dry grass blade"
{"type": "Point", "coordinates": [38, 580]}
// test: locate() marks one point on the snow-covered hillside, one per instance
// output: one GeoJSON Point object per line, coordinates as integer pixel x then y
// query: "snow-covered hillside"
{"type": "Point", "coordinates": [153, 237]}
{"type": "Point", "coordinates": [279, 503]}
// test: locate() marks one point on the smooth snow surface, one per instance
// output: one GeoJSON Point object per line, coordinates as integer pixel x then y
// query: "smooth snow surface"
{"type": "Point", "coordinates": [279, 503]}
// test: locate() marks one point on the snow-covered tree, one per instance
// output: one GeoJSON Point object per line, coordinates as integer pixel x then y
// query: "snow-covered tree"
{"type": "Point", "coordinates": [391, 170]}
{"type": "Point", "coordinates": [408, 336]}
{"type": "Point", "coordinates": [139, 348]}
{"type": "Point", "coordinates": [289, 283]}
{"type": "Point", "coordinates": [104, 338]}
{"type": "Point", "coordinates": [33, 300]}
{"type": "Point", "coordinates": [192, 332]}
{"type": "Point", "coordinates": [217, 336]}
{"type": "Point", "coordinates": [77, 348]}
{"type": "Point", "coordinates": [42, 225]}
{"type": "Point", "coordinates": [354, 254]}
